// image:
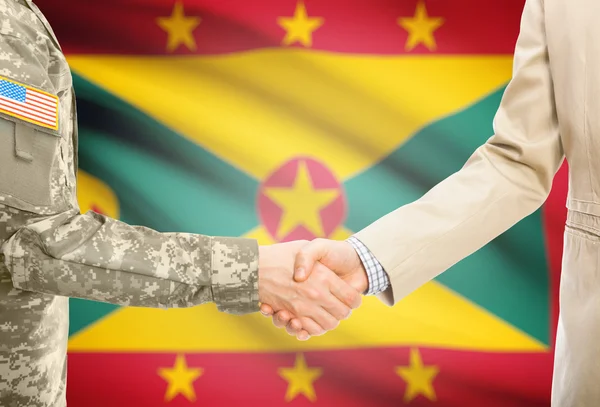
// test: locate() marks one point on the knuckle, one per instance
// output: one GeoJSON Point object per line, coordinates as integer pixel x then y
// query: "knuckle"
{"type": "Point", "coordinates": [321, 277]}
{"type": "Point", "coordinates": [304, 249]}
{"type": "Point", "coordinates": [307, 325]}
{"type": "Point", "coordinates": [297, 307]}
{"type": "Point", "coordinates": [351, 298]}
{"type": "Point", "coordinates": [314, 294]}
{"type": "Point", "coordinates": [309, 293]}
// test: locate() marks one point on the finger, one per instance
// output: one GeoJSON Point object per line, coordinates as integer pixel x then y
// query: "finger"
{"type": "Point", "coordinates": [318, 303]}
{"type": "Point", "coordinates": [323, 318]}
{"type": "Point", "coordinates": [334, 308]}
{"type": "Point", "coordinates": [281, 318]}
{"type": "Point", "coordinates": [338, 298]}
{"type": "Point", "coordinates": [303, 336]}
{"type": "Point", "coordinates": [306, 258]}
{"type": "Point", "coordinates": [266, 310]}
{"type": "Point", "coordinates": [311, 327]}
{"type": "Point", "coordinates": [344, 292]}
{"type": "Point", "coordinates": [294, 327]}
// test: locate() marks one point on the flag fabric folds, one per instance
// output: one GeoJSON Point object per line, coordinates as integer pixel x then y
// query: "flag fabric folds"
{"type": "Point", "coordinates": [291, 119]}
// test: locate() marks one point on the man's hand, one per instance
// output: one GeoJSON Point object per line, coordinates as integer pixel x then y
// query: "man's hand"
{"type": "Point", "coordinates": [338, 256]}
{"type": "Point", "coordinates": [317, 304]}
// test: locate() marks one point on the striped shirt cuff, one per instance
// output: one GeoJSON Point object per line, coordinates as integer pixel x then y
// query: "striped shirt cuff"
{"type": "Point", "coordinates": [376, 275]}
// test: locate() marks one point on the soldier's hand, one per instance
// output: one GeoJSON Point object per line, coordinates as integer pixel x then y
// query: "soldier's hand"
{"type": "Point", "coordinates": [317, 304]}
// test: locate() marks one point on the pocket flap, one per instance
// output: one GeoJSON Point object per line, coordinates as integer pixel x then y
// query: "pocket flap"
{"type": "Point", "coordinates": [27, 160]}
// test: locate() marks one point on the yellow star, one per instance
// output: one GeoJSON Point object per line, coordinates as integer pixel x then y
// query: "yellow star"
{"type": "Point", "coordinates": [301, 203]}
{"type": "Point", "coordinates": [180, 379]}
{"type": "Point", "coordinates": [300, 379]}
{"type": "Point", "coordinates": [300, 27]}
{"type": "Point", "coordinates": [179, 28]}
{"type": "Point", "coordinates": [420, 28]}
{"type": "Point", "coordinates": [418, 378]}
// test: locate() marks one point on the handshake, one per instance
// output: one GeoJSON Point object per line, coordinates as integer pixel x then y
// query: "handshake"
{"type": "Point", "coordinates": [309, 287]}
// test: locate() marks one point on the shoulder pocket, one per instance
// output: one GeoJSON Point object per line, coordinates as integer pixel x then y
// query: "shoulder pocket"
{"type": "Point", "coordinates": [28, 155]}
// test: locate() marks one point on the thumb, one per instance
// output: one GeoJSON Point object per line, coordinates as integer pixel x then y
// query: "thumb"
{"type": "Point", "coordinates": [359, 282]}
{"type": "Point", "coordinates": [307, 257]}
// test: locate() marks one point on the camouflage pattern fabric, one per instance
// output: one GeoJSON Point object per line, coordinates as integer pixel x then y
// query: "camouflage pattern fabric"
{"type": "Point", "coordinates": [50, 251]}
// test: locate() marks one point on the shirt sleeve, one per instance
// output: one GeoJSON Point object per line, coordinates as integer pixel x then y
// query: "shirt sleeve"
{"type": "Point", "coordinates": [376, 275]}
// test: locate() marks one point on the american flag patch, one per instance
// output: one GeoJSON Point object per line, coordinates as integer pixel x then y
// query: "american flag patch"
{"type": "Point", "coordinates": [29, 104]}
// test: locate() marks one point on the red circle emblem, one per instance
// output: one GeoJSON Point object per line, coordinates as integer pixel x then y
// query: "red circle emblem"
{"type": "Point", "coordinates": [302, 199]}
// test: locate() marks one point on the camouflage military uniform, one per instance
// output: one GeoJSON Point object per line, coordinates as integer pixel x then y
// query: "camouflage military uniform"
{"type": "Point", "coordinates": [50, 251]}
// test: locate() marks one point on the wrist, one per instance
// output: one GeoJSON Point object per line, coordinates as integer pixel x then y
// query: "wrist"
{"type": "Point", "coordinates": [262, 255]}
{"type": "Point", "coordinates": [362, 279]}
{"type": "Point", "coordinates": [234, 274]}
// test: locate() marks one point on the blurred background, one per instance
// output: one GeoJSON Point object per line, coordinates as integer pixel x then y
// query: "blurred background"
{"type": "Point", "coordinates": [282, 120]}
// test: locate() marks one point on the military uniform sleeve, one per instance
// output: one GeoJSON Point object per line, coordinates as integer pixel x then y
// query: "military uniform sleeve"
{"type": "Point", "coordinates": [98, 258]}
{"type": "Point", "coordinates": [63, 252]}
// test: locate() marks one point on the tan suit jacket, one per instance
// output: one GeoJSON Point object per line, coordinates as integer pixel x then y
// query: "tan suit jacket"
{"type": "Point", "coordinates": [550, 109]}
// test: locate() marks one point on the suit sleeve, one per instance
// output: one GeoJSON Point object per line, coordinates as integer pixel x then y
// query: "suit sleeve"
{"type": "Point", "coordinates": [506, 179]}
{"type": "Point", "coordinates": [94, 257]}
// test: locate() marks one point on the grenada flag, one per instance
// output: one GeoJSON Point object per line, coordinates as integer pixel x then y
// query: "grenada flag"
{"type": "Point", "coordinates": [296, 119]}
